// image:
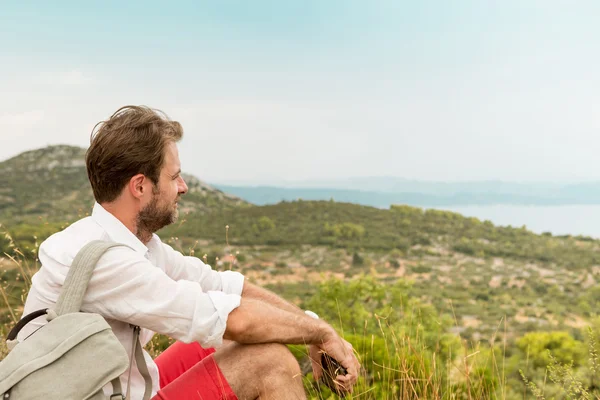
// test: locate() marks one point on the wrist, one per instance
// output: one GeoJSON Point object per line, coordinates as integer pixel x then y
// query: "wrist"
{"type": "Point", "coordinates": [323, 332]}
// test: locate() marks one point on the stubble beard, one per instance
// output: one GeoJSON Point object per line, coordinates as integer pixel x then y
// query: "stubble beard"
{"type": "Point", "coordinates": [153, 217]}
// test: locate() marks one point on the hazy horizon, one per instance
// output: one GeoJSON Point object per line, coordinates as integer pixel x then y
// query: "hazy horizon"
{"type": "Point", "coordinates": [342, 179]}
{"type": "Point", "coordinates": [274, 92]}
{"type": "Point", "coordinates": [323, 181]}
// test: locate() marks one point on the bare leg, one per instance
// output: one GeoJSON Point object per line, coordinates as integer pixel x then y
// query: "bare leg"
{"type": "Point", "coordinates": [261, 371]}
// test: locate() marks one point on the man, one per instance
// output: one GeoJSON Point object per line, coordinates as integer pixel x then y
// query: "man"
{"type": "Point", "coordinates": [134, 170]}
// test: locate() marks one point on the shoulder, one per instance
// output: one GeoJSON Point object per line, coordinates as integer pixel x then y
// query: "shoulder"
{"type": "Point", "coordinates": [63, 246]}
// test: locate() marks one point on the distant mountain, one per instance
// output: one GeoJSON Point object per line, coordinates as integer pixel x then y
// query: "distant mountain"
{"type": "Point", "coordinates": [52, 183]}
{"type": "Point", "coordinates": [401, 185]}
{"type": "Point", "coordinates": [428, 194]}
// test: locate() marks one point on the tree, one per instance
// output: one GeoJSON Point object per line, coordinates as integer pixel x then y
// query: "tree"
{"type": "Point", "coordinates": [264, 224]}
{"type": "Point", "coordinates": [562, 346]}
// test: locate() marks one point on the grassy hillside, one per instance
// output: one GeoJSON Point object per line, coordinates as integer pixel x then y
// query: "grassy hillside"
{"type": "Point", "coordinates": [400, 227]}
{"type": "Point", "coordinates": [52, 183]}
{"type": "Point", "coordinates": [479, 272]}
{"type": "Point", "coordinates": [438, 305]}
{"type": "Point", "coordinates": [431, 319]}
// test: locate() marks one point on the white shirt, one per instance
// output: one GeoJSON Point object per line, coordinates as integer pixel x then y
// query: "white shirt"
{"type": "Point", "coordinates": [152, 286]}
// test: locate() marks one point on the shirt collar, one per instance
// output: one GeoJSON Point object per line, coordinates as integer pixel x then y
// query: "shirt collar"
{"type": "Point", "coordinates": [116, 230]}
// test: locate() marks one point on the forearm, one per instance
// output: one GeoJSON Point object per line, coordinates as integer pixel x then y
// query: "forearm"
{"type": "Point", "coordinates": [256, 321]}
{"type": "Point", "coordinates": [251, 291]}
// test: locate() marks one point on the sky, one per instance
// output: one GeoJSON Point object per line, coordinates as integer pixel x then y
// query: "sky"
{"type": "Point", "coordinates": [283, 91]}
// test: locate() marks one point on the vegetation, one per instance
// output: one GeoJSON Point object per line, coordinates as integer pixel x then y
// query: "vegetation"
{"type": "Point", "coordinates": [437, 305]}
{"type": "Point", "coordinates": [400, 227]}
{"type": "Point", "coordinates": [406, 346]}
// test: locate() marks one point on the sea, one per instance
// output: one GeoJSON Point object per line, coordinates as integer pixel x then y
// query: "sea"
{"type": "Point", "coordinates": [559, 220]}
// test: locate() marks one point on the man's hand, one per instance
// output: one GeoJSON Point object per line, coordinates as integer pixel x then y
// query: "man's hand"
{"type": "Point", "coordinates": [264, 317]}
{"type": "Point", "coordinates": [340, 350]}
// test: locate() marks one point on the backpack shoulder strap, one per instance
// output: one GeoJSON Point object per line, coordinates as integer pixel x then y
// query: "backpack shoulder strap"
{"type": "Point", "coordinates": [78, 277]}
{"type": "Point", "coordinates": [75, 286]}
{"type": "Point", "coordinates": [141, 364]}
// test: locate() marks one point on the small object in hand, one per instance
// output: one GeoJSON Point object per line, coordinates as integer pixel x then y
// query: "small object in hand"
{"type": "Point", "coordinates": [331, 369]}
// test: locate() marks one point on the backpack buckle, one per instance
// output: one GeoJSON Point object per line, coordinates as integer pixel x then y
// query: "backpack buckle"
{"type": "Point", "coordinates": [117, 396]}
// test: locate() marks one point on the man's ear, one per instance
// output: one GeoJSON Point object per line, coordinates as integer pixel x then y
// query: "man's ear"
{"type": "Point", "coordinates": [138, 186]}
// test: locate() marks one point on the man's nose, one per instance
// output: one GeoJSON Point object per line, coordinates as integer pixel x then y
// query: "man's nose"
{"type": "Point", "coordinates": [183, 188]}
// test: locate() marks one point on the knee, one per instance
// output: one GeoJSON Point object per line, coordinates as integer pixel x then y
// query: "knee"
{"type": "Point", "coordinates": [278, 359]}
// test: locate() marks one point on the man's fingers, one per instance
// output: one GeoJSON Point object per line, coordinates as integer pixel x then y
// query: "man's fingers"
{"type": "Point", "coordinates": [346, 378]}
{"type": "Point", "coordinates": [317, 371]}
{"type": "Point", "coordinates": [351, 354]}
{"type": "Point", "coordinates": [351, 365]}
{"type": "Point", "coordinates": [315, 359]}
{"type": "Point", "coordinates": [355, 362]}
{"type": "Point", "coordinates": [353, 371]}
{"type": "Point", "coordinates": [346, 382]}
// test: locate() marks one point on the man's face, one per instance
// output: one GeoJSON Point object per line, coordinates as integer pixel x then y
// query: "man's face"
{"type": "Point", "coordinates": [162, 210]}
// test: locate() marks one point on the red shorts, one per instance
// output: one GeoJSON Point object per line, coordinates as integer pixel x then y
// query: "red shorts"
{"type": "Point", "coordinates": [188, 371]}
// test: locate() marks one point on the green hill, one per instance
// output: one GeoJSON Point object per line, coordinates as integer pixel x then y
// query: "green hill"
{"type": "Point", "coordinates": [52, 183]}
{"type": "Point", "coordinates": [447, 256]}
{"type": "Point", "coordinates": [400, 227]}
{"type": "Point", "coordinates": [487, 273]}
{"type": "Point", "coordinates": [470, 279]}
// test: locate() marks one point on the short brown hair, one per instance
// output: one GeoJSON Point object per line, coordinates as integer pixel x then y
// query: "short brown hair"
{"type": "Point", "coordinates": [132, 141]}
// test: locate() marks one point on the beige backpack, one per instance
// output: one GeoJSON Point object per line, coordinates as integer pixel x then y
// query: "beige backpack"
{"type": "Point", "coordinates": [75, 354]}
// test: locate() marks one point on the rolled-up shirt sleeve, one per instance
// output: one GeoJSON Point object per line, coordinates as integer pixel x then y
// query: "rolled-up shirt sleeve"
{"type": "Point", "coordinates": [125, 286]}
{"type": "Point", "coordinates": [191, 268]}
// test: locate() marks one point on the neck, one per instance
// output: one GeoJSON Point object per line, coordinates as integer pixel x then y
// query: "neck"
{"type": "Point", "coordinates": [144, 236]}
{"type": "Point", "coordinates": [128, 218]}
